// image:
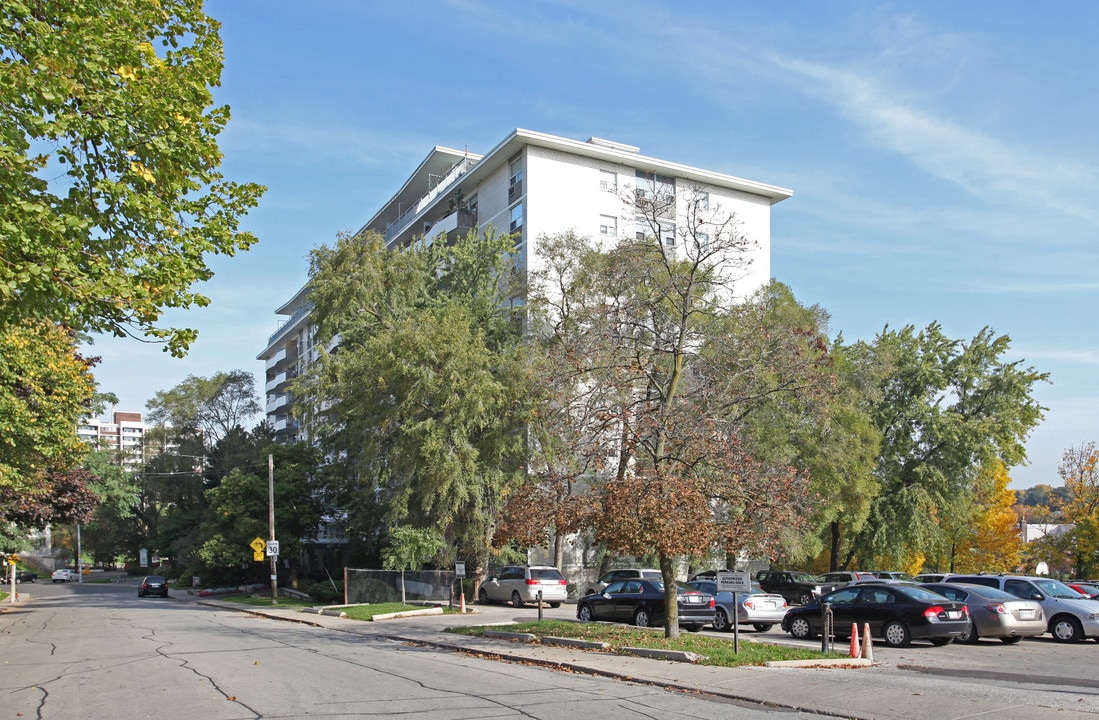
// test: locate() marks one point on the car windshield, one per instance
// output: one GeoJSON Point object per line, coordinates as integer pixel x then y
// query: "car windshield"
{"type": "Point", "coordinates": [803, 577]}
{"type": "Point", "coordinates": [1057, 589]}
{"type": "Point", "coordinates": [154, 579]}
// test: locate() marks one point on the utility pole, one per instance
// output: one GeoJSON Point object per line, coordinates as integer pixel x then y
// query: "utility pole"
{"type": "Point", "coordinates": [271, 525]}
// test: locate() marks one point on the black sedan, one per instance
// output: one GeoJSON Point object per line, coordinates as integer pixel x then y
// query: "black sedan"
{"type": "Point", "coordinates": [896, 613]}
{"type": "Point", "coordinates": [641, 602]}
{"type": "Point", "coordinates": [153, 585]}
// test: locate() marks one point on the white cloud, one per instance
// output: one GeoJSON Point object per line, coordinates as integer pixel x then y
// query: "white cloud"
{"type": "Point", "coordinates": [982, 165]}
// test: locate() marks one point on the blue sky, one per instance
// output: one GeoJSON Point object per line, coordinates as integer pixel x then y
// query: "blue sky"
{"type": "Point", "coordinates": [944, 156]}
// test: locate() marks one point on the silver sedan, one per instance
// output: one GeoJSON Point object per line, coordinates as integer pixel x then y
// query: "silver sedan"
{"type": "Point", "coordinates": [994, 613]}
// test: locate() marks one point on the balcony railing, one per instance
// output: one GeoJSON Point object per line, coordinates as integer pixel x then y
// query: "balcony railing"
{"type": "Point", "coordinates": [456, 171]}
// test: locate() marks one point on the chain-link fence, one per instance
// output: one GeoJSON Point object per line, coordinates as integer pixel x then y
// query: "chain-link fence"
{"type": "Point", "coordinates": [377, 586]}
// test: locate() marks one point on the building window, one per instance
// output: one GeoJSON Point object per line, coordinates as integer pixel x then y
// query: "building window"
{"type": "Point", "coordinates": [517, 218]}
{"type": "Point", "coordinates": [515, 181]}
{"type": "Point", "coordinates": [608, 181]}
{"type": "Point", "coordinates": [702, 201]}
{"type": "Point", "coordinates": [608, 225]}
{"type": "Point", "coordinates": [654, 187]}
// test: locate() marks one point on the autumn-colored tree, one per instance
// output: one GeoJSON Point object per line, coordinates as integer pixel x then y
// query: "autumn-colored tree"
{"type": "Point", "coordinates": [46, 386]}
{"type": "Point", "coordinates": [990, 541]}
{"type": "Point", "coordinates": [1079, 468]}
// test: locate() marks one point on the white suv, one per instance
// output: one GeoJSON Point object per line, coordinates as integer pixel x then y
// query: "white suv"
{"type": "Point", "coordinates": [521, 584]}
{"type": "Point", "coordinates": [1072, 617]}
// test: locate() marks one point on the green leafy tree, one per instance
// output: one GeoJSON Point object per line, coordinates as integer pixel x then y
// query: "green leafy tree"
{"type": "Point", "coordinates": [425, 398]}
{"type": "Point", "coordinates": [238, 512]}
{"type": "Point", "coordinates": [409, 548]}
{"type": "Point", "coordinates": [947, 409]}
{"type": "Point", "coordinates": [110, 192]}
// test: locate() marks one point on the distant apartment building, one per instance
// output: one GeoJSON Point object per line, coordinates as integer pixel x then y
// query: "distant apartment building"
{"type": "Point", "coordinates": [124, 432]}
{"type": "Point", "coordinates": [532, 184]}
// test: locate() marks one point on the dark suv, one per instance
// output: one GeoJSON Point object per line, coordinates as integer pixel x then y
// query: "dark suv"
{"type": "Point", "coordinates": [153, 585]}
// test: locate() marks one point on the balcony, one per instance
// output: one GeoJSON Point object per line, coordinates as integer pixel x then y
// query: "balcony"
{"type": "Point", "coordinates": [453, 225]}
{"type": "Point", "coordinates": [274, 382]}
{"type": "Point", "coordinates": [277, 402]}
{"type": "Point", "coordinates": [276, 359]}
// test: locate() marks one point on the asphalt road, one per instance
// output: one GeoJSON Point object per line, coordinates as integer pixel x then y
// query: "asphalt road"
{"type": "Point", "coordinates": [98, 651]}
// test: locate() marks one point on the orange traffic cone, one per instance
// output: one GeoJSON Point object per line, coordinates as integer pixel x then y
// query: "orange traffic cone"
{"type": "Point", "coordinates": [855, 640]}
{"type": "Point", "coordinates": [867, 644]}
{"type": "Point", "coordinates": [462, 602]}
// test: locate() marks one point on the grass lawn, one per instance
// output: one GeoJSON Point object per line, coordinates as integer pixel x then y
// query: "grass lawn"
{"type": "Point", "coordinates": [715, 650]}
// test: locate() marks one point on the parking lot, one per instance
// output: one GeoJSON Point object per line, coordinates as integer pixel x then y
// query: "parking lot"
{"type": "Point", "coordinates": [1039, 662]}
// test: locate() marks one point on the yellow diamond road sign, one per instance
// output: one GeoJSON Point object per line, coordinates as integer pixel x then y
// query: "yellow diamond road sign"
{"type": "Point", "coordinates": [258, 544]}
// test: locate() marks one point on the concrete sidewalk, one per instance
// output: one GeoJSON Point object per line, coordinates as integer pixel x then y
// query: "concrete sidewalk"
{"type": "Point", "coordinates": [869, 693]}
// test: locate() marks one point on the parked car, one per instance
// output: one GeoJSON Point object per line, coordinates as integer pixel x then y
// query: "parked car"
{"type": "Point", "coordinates": [26, 576]}
{"type": "Point", "coordinates": [1085, 588]}
{"type": "Point", "coordinates": [520, 584]}
{"type": "Point", "coordinates": [641, 602]}
{"type": "Point", "coordinates": [994, 613]}
{"type": "Point", "coordinates": [756, 608]}
{"type": "Point", "coordinates": [896, 613]}
{"type": "Point", "coordinates": [933, 577]}
{"type": "Point", "coordinates": [63, 575]}
{"type": "Point", "coordinates": [891, 575]}
{"type": "Point", "coordinates": [844, 577]}
{"type": "Point", "coordinates": [796, 587]}
{"type": "Point", "coordinates": [613, 576]}
{"type": "Point", "coordinates": [153, 585]}
{"type": "Point", "coordinates": [1069, 616]}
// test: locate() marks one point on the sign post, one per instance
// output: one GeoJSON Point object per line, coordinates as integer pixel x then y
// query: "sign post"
{"type": "Point", "coordinates": [734, 581]}
{"type": "Point", "coordinates": [460, 573]}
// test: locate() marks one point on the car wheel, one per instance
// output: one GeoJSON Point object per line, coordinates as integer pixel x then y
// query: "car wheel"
{"type": "Point", "coordinates": [762, 627]}
{"type": "Point", "coordinates": [516, 601]}
{"type": "Point", "coordinates": [140, 594]}
{"type": "Point", "coordinates": [805, 598]}
{"type": "Point", "coordinates": [590, 591]}
{"type": "Point", "coordinates": [555, 605]}
{"type": "Point", "coordinates": [641, 618]}
{"type": "Point", "coordinates": [1011, 640]}
{"type": "Point", "coordinates": [971, 637]}
{"type": "Point", "coordinates": [693, 628]}
{"type": "Point", "coordinates": [896, 634]}
{"type": "Point", "coordinates": [584, 614]}
{"type": "Point", "coordinates": [1066, 629]}
{"type": "Point", "coordinates": [721, 621]}
{"type": "Point", "coordinates": [482, 596]}
{"type": "Point", "coordinates": [801, 629]}
{"type": "Point", "coordinates": [940, 641]}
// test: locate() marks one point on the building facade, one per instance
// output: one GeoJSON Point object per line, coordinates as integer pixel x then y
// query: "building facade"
{"type": "Point", "coordinates": [534, 185]}
{"type": "Point", "coordinates": [124, 433]}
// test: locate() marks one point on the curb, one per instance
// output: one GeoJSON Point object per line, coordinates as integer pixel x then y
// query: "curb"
{"type": "Point", "coordinates": [673, 655]}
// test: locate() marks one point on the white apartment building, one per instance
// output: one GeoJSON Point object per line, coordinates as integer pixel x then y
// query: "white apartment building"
{"type": "Point", "coordinates": [533, 184]}
{"type": "Point", "coordinates": [124, 432]}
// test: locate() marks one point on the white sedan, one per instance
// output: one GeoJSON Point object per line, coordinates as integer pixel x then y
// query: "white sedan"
{"type": "Point", "coordinates": [63, 575]}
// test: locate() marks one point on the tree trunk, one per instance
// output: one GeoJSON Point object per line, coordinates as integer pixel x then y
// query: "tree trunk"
{"type": "Point", "coordinates": [834, 550]}
{"type": "Point", "coordinates": [671, 598]}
